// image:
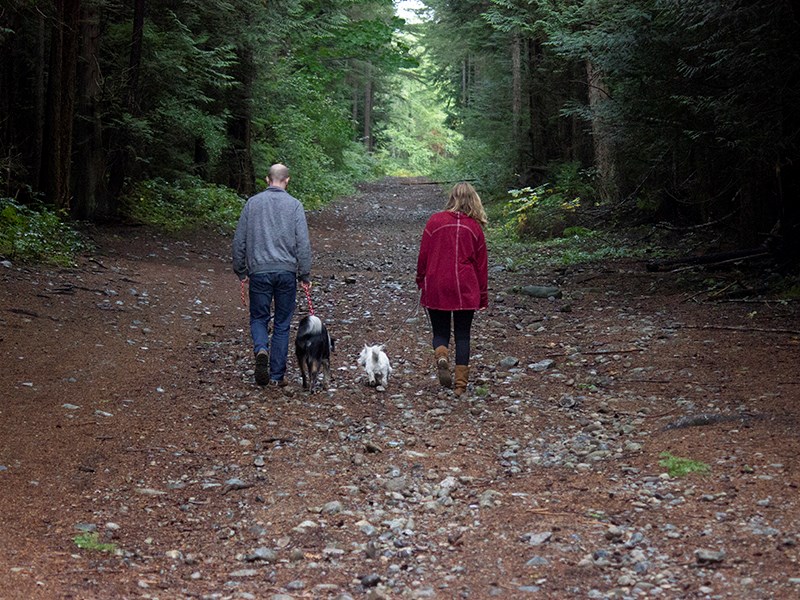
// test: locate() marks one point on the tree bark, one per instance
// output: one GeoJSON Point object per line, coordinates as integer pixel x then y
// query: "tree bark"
{"type": "Point", "coordinates": [536, 112]}
{"type": "Point", "coordinates": [120, 155]}
{"type": "Point", "coordinates": [516, 89]}
{"type": "Point", "coordinates": [135, 62]}
{"type": "Point", "coordinates": [90, 154]}
{"type": "Point", "coordinates": [40, 93]}
{"type": "Point", "coordinates": [60, 110]}
{"type": "Point", "coordinates": [603, 148]}
{"type": "Point", "coordinates": [368, 100]}
{"type": "Point", "coordinates": [239, 156]}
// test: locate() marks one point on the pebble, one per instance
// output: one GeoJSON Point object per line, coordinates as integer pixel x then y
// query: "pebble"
{"type": "Point", "coordinates": [537, 539]}
{"type": "Point", "coordinates": [509, 362]}
{"type": "Point", "coordinates": [241, 573]}
{"type": "Point", "coordinates": [262, 554]}
{"type": "Point", "coordinates": [704, 555]}
{"type": "Point", "coordinates": [370, 580]}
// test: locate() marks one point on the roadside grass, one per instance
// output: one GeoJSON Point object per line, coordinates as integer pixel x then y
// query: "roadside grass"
{"type": "Point", "coordinates": [576, 246]}
{"type": "Point", "coordinates": [680, 467]}
{"type": "Point", "coordinates": [91, 541]}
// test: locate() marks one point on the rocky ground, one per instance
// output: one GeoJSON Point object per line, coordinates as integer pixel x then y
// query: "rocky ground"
{"type": "Point", "coordinates": [129, 416]}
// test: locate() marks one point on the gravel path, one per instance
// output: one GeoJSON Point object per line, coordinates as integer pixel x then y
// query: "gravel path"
{"type": "Point", "coordinates": [129, 411]}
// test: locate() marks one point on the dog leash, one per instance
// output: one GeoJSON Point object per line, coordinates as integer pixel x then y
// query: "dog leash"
{"type": "Point", "coordinates": [244, 296]}
{"type": "Point", "coordinates": [307, 290]}
{"type": "Point", "coordinates": [414, 312]}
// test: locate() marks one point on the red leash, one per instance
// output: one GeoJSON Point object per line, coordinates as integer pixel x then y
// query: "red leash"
{"type": "Point", "coordinates": [244, 297]}
{"type": "Point", "coordinates": [307, 290]}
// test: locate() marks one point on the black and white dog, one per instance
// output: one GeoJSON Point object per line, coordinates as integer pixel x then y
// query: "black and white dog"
{"type": "Point", "coordinates": [313, 347]}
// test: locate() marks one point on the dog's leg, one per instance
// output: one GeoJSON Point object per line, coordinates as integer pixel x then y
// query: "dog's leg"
{"type": "Point", "coordinates": [326, 373]}
{"type": "Point", "coordinates": [303, 371]}
{"type": "Point", "coordinates": [313, 369]}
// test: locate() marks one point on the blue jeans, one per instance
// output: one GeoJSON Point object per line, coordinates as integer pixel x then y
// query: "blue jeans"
{"type": "Point", "coordinates": [264, 288]}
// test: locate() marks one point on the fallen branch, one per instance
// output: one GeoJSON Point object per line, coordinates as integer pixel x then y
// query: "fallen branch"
{"type": "Point", "coordinates": [708, 259]}
{"type": "Point", "coordinates": [743, 329]}
{"type": "Point", "coordinates": [724, 262]}
{"type": "Point", "coordinates": [623, 351]}
{"type": "Point", "coordinates": [436, 182]}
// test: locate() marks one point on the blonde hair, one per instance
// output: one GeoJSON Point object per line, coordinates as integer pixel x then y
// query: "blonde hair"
{"type": "Point", "coordinates": [464, 199]}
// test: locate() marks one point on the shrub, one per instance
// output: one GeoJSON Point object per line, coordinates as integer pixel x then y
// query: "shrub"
{"type": "Point", "coordinates": [550, 210]}
{"type": "Point", "coordinates": [37, 235]}
{"type": "Point", "coordinates": [542, 212]}
{"type": "Point", "coordinates": [182, 205]}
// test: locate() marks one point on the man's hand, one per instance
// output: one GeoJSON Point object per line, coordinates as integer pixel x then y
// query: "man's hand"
{"type": "Point", "coordinates": [304, 278]}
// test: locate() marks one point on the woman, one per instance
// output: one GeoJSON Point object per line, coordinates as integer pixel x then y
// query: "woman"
{"type": "Point", "coordinates": [452, 272]}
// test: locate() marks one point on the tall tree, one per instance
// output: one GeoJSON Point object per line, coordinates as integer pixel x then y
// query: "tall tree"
{"type": "Point", "coordinates": [60, 104]}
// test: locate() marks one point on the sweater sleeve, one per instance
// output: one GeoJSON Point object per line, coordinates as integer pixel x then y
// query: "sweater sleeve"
{"type": "Point", "coordinates": [303, 242]}
{"type": "Point", "coordinates": [422, 259]}
{"type": "Point", "coordinates": [239, 250]}
{"type": "Point", "coordinates": [482, 267]}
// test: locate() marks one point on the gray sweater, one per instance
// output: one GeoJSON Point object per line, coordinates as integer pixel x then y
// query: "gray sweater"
{"type": "Point", "coordinates": [272, 236]}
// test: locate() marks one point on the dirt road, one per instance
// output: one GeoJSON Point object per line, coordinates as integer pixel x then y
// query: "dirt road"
{"type": "Point", "coordinates": [128, 410]}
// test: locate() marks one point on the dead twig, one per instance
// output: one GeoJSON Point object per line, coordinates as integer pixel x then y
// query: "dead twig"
{"type": "Point", "coordinates": [743, 329]}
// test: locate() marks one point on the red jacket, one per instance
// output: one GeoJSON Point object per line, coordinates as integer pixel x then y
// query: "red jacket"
{"type": "Point", "coordinates": [452, 267]}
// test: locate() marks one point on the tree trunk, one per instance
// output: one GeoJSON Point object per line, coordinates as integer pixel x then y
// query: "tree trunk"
{"type": "Point", "coordinates": [354, 104]}
{"type": "Point", "coordinates": [464, 81]}
{"type": "Point", "coordinates": [603, 148]}
{"type": "Point", "coordinates": [120, 155]}
{"type": "Point", "coordinates": [90, 154]}
{"type": "Point", "coordinates": [368, 100]}
{"type": "Point", "coordinates": [516, 90]}
{"type": "Point", "coordinates": [536, 112]}
{"type": "Point", "coordinates": [238, 159]}
{"type": "Point", "coordinates": [60, 110]}
{"type": "Point", "coordinates": [40, 93]}
{"type": "Point", "coordinates": [135, 61]}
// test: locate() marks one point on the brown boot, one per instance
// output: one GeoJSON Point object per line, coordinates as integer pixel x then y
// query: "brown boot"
{"type": "Point", "coordinates": [462, 378]}
{"type": "Point", "coordinates": [442, 366]}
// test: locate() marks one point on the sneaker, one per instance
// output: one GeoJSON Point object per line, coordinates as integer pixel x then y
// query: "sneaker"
{"type": "Point", "coordinates": [262, 368]}
{"type": "Point", "coordinates": [278, 383]}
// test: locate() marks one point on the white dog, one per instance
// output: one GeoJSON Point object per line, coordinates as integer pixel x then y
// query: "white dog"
{"type": "Point", "coordinates": [376, 364]}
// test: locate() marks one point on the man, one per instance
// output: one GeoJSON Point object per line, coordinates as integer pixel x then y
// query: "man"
{"type": "Point", "coordinates": [271, 248]}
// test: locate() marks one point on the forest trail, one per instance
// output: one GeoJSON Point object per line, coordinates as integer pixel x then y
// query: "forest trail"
{"type": "Point", "coordinates": [129, 409]}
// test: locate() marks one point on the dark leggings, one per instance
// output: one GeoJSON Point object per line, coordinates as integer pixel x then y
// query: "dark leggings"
{"type": "Point", "coordinates": [462, 323]}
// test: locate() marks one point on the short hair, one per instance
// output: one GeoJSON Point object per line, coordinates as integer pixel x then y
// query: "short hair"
{"type": "Point", "coordinates": [464, 199]}
{"type": "Point", "coordinates": [278, 173]}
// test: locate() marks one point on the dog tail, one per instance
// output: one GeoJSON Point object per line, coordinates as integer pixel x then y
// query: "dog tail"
{"type": "Point", "coordinates": [314, 324]}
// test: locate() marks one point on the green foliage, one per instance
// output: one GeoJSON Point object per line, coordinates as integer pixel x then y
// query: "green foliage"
{"type": "Point", "coordinates": [182, 205]}
{"type": "Point", "coordinates": [679, 467]}
{"type": "Point", "coordinates": [91, 541]}
{"type": "Point", "coordinates": [577, 245]}
{"type": "Point", "coordinates": [580, 255]}
{"type": "Point", "coordinates": [413, 138]}
{"type": "Point", "coordinates": [182, 76]}
{"type": "Point", "coordinates": [542, 212]}
{"type": "Point", "coordinates": [37, 235]}
{"type": "Point", "coordinates": [476, 160]}
{"type": "Point", "coordinates": [548, 210]}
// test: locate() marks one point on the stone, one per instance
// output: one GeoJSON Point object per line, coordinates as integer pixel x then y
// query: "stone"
{"type": "Point", "coordinates": [704, 555]}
